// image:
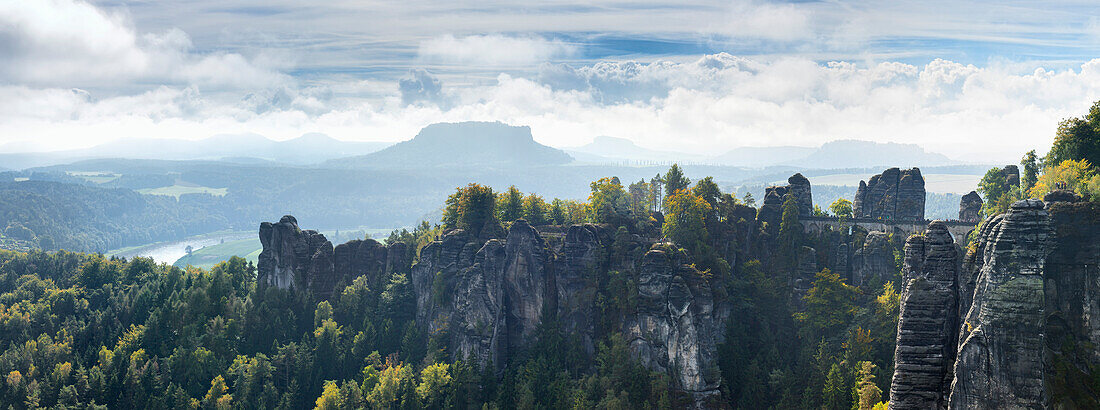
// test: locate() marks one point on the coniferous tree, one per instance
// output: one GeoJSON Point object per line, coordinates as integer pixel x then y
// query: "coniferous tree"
{"type": "Point", "coordinates": [675, 180]}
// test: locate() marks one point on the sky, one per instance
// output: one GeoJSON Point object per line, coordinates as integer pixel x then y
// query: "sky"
{"type": "Point", "coordinates": [977, 81]}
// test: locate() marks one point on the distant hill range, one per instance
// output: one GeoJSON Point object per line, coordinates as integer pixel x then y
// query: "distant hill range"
{"type": "Point", "coordinates": [831, 155]}
{"type": "Point", "coordinates": [244, 148]}
{"type": "Point", "coordinates": [477, 144]}
{"type": "Point", "coordinates": [604, 149]}
{"type": "Point", "coordinates": [836, 155]}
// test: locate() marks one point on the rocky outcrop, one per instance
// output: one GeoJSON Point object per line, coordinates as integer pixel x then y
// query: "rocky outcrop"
{"type": "Point", "coordinates": [1012, 175]}
{"type": "Point", "coordinates": [527, 282]}
{"type": "Point", "coordinates": [1072, 293]}
{"type": "Point", "coordinates": [893, 195]}
{"type": "Point", "coordinates": [1000, 353]}
{"type": "Point", "coordinates": [799, 187]}
{"type": "Point", "coordinates": [293, 258]}
{"type": "Point", "coordinates": [305, 259]}
{"type": "Point", "coordinates": [583, 253]}
{"type": "Point", "coordinates": [927, 325]}
{"type": "Point", "coordinates": [490, 297]}
{"type": "Point", "coordinates": [802, 279]}
{"type": "Point", "coordinates": [774, 196]}
{"type": "Point", "coordinates": [970, 207]}
{"type": "Point", "coordinates": [875, 259]}
{"type": "Point", "coordinates": [673, 330]}
{"type": "Point", "coordinates": [1027, 318]}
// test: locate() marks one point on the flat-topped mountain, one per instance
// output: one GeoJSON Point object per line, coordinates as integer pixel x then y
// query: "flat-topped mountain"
{"type": "Point", "coordinates": [478, 144]}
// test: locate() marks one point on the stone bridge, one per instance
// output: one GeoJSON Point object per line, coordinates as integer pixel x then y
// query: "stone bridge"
{"type": "Point", "coordinates": [815, 224]}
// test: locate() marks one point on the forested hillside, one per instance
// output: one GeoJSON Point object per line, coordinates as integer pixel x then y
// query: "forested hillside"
{"type": "Point", "coordinates": [57, 215]}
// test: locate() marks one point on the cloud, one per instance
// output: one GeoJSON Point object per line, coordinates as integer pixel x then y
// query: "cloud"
{"type": "Point", "coordinates": [420, 86]}
{"type": "Point", "coordinates": [71, 42]}
{"type": "Point", "coordinates": [765, 20]}
{"type": "Point", "coordinates": [494, 50]}
{"type": "Point", "coordinates": [709, 105]}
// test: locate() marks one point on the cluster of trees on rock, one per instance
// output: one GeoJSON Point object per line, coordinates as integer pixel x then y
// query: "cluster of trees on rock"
{"type": "Point", "coordinates": [1071, 164]}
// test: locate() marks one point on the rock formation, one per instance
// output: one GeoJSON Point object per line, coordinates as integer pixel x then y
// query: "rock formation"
{"type": "Point", "coordinates": [893, 195]}
{"type": "Point", "coordinates": [970, 207]}
{"type": "Point", "coordinates": [673, 329]}
{"type": "Point", "coordinates": [1000, 353]}
{"type": "Point", "coordinates": [980, 336]}
{"type": "Point", "coordinates": [1072, 304]}
{"type": "Point", "coordinates": [774, 196]}
{"type": "Point", "coordinates": [1012, 175]}
{"type": "Point", "coordinates": [490, 298]}
{"type": "Point", "coordinates": [875, 259]}
{"type": "Point", "coordinates": [927, 325]}
{"type": "Point", "coordinates": [293, 258]}
{"type": "Point", "coordinates": [802, 279]}
{"type": "Point", "coordinates": [305, 259]}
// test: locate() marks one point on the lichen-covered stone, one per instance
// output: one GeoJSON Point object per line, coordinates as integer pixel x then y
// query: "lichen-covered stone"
{"type": "Point", "coordinates": [1072, 292]}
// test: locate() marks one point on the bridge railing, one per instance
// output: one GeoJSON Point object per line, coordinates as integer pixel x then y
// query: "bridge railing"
{"type": "Point", "coordinates": [949, 222]}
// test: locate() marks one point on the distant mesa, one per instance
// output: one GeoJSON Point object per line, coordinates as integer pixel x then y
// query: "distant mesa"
{"type": "Point", "coordinates": [472, 144]}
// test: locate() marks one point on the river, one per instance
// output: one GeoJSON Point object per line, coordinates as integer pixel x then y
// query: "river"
{"type": "Point", "coordinates": [169, 252]}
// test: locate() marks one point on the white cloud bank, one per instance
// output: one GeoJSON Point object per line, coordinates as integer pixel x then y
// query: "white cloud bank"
{"type": "Point", "coordinates": [78, 75]}
{"type": "Point", "coordinates": [710, 105]}
{"type": "Point", "coordinates": [494, 50]}
{"type": "Point", "coordinates": [71, 42]}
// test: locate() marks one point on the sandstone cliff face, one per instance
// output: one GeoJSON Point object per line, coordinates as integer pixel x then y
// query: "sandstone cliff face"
{"type": "Point", "coordinates": [1027, 319]}
{"type": "Point", "coordinates": [673, 329]}
{"type": "Point", "coordinates": [875, 259]}
{"type": "Point", "coordinates": [1072, 292]}
{"type": "Point", "coordinates": [293, 258]}
{"type": "Point", "coordinates": [970, 207]}
{"type": "Point", "coordinates": [774, 196]}
{"type": "Point", "coordinates": [1012, 175]}
{"type": "Point", "coordinates": [305, 259]}
{"type": "Point", "coordinates": [894, 195]}
{"type": "Point", "coordinates": [927, 325]}
{"type": "Point", "coordinates": [802, 279]}
{"type": "Point", "coordinates": [1000, 354]}
{"type": "Point", "coordinates": [583, 253]}
{"type": "Point", "coordinates": [491, 297]}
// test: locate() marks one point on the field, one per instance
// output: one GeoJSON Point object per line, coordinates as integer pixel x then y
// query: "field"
{"type": "Point", "coordinates": [177, 190]}
{"type": "Point", "coordinates": [209, 256]}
